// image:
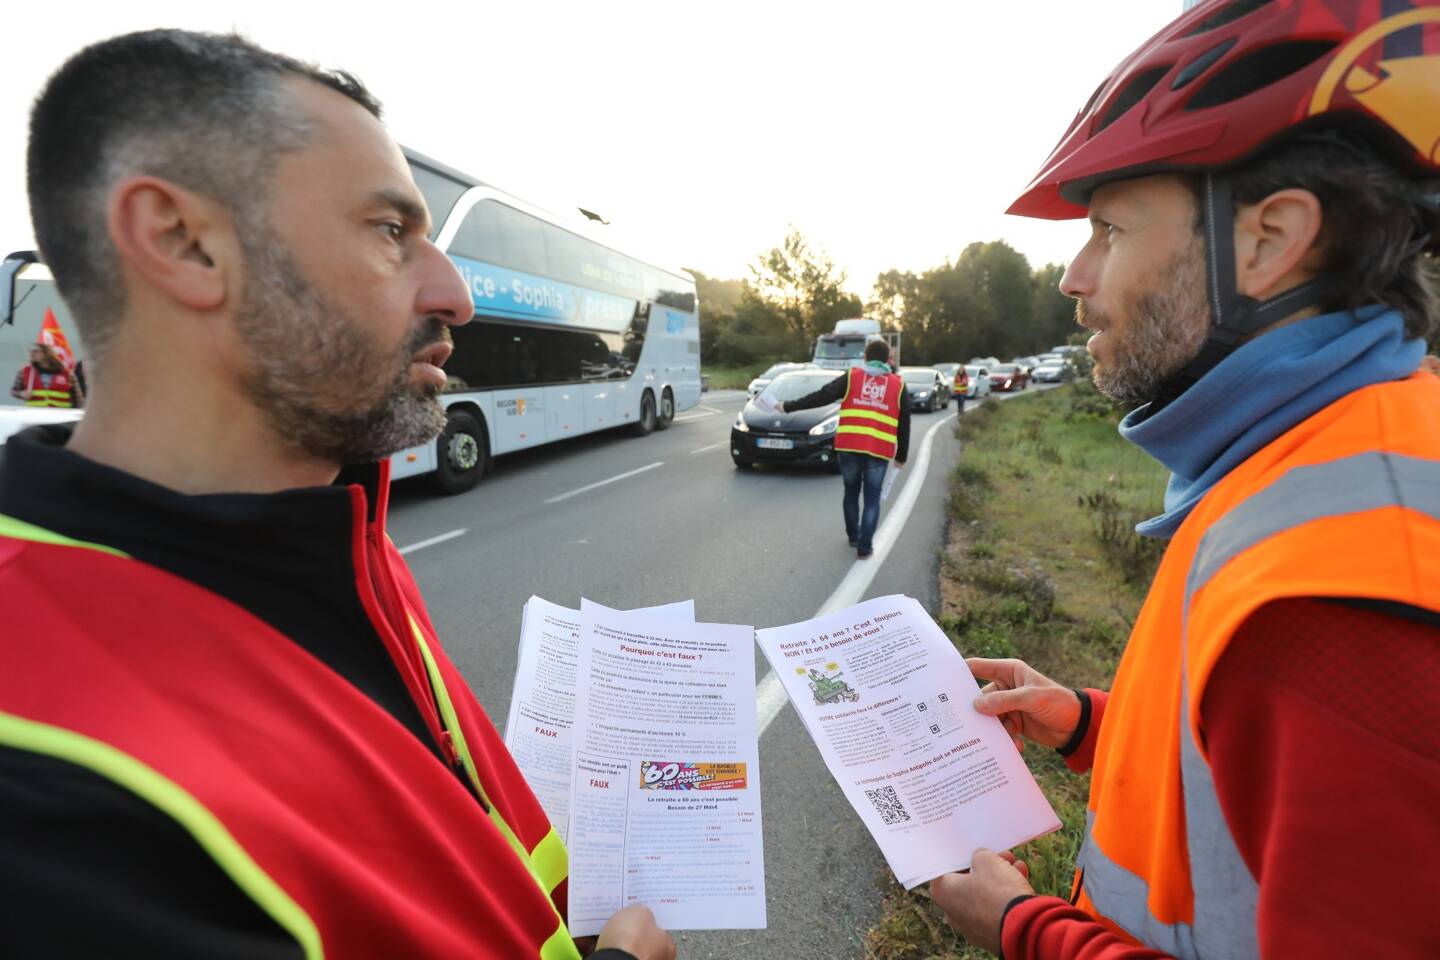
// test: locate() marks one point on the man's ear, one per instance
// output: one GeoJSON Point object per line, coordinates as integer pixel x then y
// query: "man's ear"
{"type": "Point", "coordinates": [1275, 242]}
{"type": "Point", "coordinates": [176, 240]}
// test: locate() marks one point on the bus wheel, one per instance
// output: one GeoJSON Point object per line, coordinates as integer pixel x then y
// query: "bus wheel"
{"type": "Point", "coordinates": [461, 452]}
{"type": "Point", "coordinates": [667, 410]}
{"type": "Point", "coordinates": [646, 424]}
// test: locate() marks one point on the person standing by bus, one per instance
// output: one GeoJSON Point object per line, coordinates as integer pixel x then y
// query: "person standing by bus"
{"type": "Point", "coordinates": [44, 381]}
{"type": "Point", "coordinates": [874, 429]}
{"type": "Point", "coordinates": [247, 741]}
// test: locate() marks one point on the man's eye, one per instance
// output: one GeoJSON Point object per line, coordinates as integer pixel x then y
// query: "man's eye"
{"type": "Point", "coordinates": [394, 229]}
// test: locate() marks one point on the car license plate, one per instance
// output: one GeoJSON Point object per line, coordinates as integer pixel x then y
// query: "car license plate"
{"type": "Point", "coordinates": [770, 443]}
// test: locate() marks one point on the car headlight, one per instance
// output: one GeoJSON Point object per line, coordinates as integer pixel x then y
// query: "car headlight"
{"type": "Point", "coordinates": [825, 426]}
{"type": "Point", "coordinates": [923, 394]}
{"type": "Point", "coordinates": [740, 423]}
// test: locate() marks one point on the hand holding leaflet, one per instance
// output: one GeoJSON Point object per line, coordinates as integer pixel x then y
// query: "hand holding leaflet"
{"type": "Point", "coordinates": [766, 403]}
{"type": "Point", "coordinates": [888, 700]}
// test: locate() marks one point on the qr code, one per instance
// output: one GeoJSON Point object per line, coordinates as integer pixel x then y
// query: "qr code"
{"type": "Point", "coordinates": [888, 805]}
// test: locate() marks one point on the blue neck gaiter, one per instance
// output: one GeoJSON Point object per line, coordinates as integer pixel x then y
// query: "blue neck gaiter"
{"type": "Point", "coordinates": [1259, 392]}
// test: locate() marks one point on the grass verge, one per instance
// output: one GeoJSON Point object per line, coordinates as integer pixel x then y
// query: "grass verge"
{"type": "Point", "coordinates": [1042, 563]}
{"type": "Point", "coordinates": [735, 378]}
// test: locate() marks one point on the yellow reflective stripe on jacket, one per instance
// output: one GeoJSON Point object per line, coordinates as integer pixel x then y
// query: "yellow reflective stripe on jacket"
{"type": "Point", "coordinates": [869, 415]}
{"type": "Point", "coordinates": [20, 530]}
{"type": "Point", "coordinates": [560, 946]}
{"type": "Point", "coordinates": [173, 800]}
{"type": "Point", "coordinates": [867, 431]}
{"type": "Point", "coordinates": [551, 861]}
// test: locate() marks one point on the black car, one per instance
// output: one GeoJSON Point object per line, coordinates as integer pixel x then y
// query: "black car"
{"type": "Point", "coordinates": [928, 388]}
{"type": "Point", "coordinates": [806, 436]}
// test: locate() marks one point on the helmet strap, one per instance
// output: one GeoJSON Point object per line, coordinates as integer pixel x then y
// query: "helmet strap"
{"type": "Point", "coordinates": [1234, 316]}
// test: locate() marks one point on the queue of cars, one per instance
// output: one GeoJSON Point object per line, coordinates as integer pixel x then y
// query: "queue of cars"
{"type": "Point", "coordinates": [808, 436]}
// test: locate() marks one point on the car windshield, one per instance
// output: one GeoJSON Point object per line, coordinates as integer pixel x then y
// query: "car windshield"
{"type": "Point", "coordinates": [775, 371]}
{"type": "Point", "coordinates": [1050, 365]}
{"type": "Point", "coordinates": [1003, 368]}
{"type": "Point", "coordinates": [918, 376]}
{"type": "Point", "coordinates": [973, 371]}
{"type": "Point", "coordinates": [793, 386]}
{"type": "Point", "coordinates": [840, 348]}
{"type": "Point", "coordinates": [947, 368]}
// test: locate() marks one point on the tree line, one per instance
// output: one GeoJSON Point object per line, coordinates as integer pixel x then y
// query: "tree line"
{"type": "Point", "coordinates": [988, 301]}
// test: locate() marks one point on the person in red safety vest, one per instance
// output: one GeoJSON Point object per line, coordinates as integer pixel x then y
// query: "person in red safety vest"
{"type": "Point", "coordinates": [228, 726]}
{"type": "Point", "coordinates": [1263, 194]}
{"type": "Point", "coordinates": [44, 381]}
{"type": "Point", "coordinates": [873, 430]}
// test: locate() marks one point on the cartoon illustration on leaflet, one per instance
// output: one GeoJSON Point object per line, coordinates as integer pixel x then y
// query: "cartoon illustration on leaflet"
{"type": "Point", "coordinates": [828, 688]}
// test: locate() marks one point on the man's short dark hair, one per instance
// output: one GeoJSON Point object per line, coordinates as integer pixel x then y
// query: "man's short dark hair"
{"type": "Point", "coordinates": [208, 112]}
{"type": "Point", "coordinates": [1371, 226]}
{"type": "Point", "coordinates": [877, 351]}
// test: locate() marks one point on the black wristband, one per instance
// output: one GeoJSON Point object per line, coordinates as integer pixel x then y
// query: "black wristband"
{"type": "Point", "coordinates": [1081, 728]}
{"type": "Point", "coordinates": [612, 953]}
{"type": "Point", "coordinates": [1005, 913]}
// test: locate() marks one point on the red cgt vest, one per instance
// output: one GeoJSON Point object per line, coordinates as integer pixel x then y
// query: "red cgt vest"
{"type": "Point", "coordinates": [48, 389]}
{"type": "Point", "coordinates": [870, 414]}
{"type": "Point", "coordinates": [320, 805]}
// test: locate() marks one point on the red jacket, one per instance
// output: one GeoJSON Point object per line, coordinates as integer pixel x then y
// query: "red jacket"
{"type": "Point", "coordinates": [335, 819]}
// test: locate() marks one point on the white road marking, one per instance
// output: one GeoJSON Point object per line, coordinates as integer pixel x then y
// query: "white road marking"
{"type": "Point", "coordinates": [770, 695]}
{"type": "Point", "coordinates": [592, 486]}
{"type": "Point", "coordinates": [687, 417]}
{"type": "Point", "coordinates": [713, 446]}
{"type": "Point", "coordinates": [433, 540]}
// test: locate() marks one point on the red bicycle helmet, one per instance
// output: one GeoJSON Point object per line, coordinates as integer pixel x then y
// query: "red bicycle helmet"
{"type": "Point", "coordinates": [1230, 76]}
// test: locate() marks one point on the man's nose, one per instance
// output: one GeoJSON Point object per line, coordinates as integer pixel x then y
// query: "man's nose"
{"type": "Point", "coordinates": [1078, 281]}
{"type": "Point", "coordinates": [443, 291]}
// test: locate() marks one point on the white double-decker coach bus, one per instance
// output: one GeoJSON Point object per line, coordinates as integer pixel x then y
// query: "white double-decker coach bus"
{"type": "Point", "coordinates": [570, 335]}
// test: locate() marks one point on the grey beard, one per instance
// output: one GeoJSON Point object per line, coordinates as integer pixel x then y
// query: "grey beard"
{"type": "Point", "coordinates": [310, 363]}
{"type": "Point", "coordinates": [1163, 336]}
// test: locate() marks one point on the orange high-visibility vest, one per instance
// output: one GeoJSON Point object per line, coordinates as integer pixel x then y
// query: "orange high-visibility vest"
{"type": "Point", "coordinates": [1346, 504]}
{"type": "Point", "coordinates": [870, 414]}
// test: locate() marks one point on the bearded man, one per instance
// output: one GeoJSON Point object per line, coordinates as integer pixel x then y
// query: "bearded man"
{"type": "Point", "coordinates": [1262, 186]}
{"type": "Point", "coordinates": [227, 726]}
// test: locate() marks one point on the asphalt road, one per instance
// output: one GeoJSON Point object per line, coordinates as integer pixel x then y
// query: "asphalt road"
{"type": "Point", "coordinates": [762, 547]}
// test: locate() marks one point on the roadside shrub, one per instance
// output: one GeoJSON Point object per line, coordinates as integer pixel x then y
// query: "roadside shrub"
{"type": "Point", "coordinates": [1135, 556]}
{"type": "Point", "coordinates": [969, 485]}
{"type": "Point", "coordinates": [1032, 591]}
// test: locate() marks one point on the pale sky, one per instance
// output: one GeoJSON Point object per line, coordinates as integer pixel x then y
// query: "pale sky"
{"type": "Point", "coordinates": [891, 133]}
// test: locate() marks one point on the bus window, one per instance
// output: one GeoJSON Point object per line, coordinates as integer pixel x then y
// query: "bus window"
{"type": "Point", "coordinates": [440, 193]}
{"type": "Point", "coordinates": [495, 233]}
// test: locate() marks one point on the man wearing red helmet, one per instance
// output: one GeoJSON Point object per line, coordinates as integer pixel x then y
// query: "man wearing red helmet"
{"type": "Point", "coordinates": [1262, 180]}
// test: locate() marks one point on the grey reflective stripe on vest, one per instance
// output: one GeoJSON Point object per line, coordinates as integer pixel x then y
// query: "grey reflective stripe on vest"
{"type": "Point", "coordinates": [1367, 481]}
{"type": "Point", "coordinates": [1124, 898]}
{"type": "Point", "coordinates": [1225, 892]}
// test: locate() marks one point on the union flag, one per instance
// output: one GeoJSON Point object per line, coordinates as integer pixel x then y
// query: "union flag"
{"type": "Point", "coordinates": [54, 337]}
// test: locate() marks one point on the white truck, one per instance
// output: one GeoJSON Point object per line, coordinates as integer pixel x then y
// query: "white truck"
{"type": "Point", "coordinates": [844, 347]}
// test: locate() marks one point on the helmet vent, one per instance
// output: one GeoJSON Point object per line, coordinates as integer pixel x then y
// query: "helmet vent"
{"type": "Point", "coordinates": [1258, 70]}
{"type": "Point", "coordinates": [1201, 63]}
{"type": "Point", "coordinates": [1227, 14]}
{"type": "Point", "coordinates": [1133, 93]}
